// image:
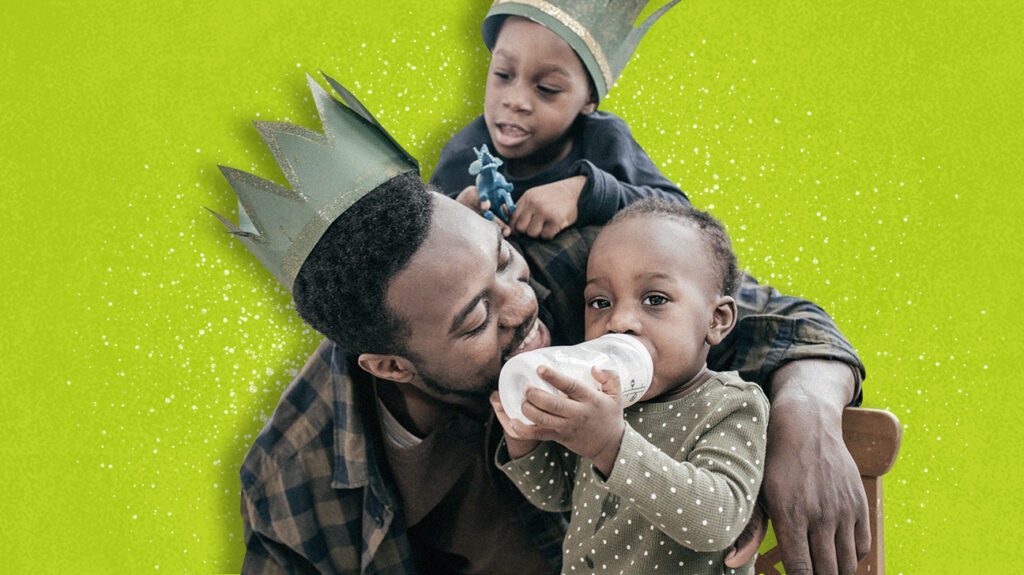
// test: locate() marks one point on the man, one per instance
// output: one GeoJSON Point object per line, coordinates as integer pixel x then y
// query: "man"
{"type": "Point", "coordinates": [378, 459]}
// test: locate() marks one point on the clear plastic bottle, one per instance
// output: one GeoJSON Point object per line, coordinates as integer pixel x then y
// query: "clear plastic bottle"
{"type": "Point", "coordinates": [624, 354]}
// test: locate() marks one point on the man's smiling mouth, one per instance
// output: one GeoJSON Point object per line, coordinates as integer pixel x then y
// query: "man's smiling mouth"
{"type": "Point", "coordinates": [536, 337]}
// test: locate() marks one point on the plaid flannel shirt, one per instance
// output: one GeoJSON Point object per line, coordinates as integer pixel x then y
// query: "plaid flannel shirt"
{"type": "Point", "coordinates": [315, 496]}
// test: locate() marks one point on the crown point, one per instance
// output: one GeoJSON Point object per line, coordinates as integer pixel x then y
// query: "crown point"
{"type": "Point", "coordinates": [232, 228]}
{"type": "Point", "coordinates": [328, 173]}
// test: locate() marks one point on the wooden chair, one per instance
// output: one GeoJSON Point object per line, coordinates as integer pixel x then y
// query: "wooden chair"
{"type": "Point", "coordinates": [873, 438]}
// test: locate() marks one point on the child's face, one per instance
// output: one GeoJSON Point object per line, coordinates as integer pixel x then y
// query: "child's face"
{"type": "Point", "coordinates": [651, 277]}
{"type": "Point", "coordinates": [536, 87]}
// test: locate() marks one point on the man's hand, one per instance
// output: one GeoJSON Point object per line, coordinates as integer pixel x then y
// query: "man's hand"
{"type": "Point", "coordinates": [812, 489]}
{"type": "Point", "coordinates": [517, 445]}
{"type": "Point", "coordinates": [546, 210]}
{"type": "Point", "coordinates": [470, 198]}
{"type": "Point", "coordinates": [587, 421]}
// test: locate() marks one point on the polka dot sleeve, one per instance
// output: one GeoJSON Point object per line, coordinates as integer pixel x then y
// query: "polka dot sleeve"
{"type": "Point", "coordinates": [545, 475]}
{"type": "Point", "coordinates": [701, 495]}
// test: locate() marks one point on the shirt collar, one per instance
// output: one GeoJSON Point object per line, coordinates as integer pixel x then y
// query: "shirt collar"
{"type": "Point", "coordinates": [350, 439]}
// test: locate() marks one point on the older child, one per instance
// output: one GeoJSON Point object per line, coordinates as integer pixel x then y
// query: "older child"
{"type": "Point", "coordinates": [569, 163]}
{"type": "Point", "coordinates": [672, 484]}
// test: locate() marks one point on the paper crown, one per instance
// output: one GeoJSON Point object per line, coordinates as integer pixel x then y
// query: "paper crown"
{"type": "Point", "coordinates": [600, 31]}
{"type": "Point", "coordinates": [328, 173]}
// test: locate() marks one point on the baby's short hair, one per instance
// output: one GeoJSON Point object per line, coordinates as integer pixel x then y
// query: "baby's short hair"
{"type": "Point", "coordinates": [711, 230]}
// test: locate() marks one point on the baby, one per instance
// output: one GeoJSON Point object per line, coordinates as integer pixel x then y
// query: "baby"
{"type": "Point", "coordinates": [569, 163]}
{"type": "Point", "coordinates": [670, 482]}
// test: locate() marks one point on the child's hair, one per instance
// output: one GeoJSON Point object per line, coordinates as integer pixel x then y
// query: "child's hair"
{"type": "Point", "coordinates": [592, 97]}
{"type": "Point", "coordinates": [712, 230]}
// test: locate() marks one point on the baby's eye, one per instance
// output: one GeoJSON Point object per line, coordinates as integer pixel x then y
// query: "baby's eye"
{"type": "Point", "coordinates": [599, 303]}
{"type": "Point", "coordinates": [502, 74]}
{"type": "Point", "coordinates": [655, 299]}
{"type": "Point", "coordinates": [548, 90]}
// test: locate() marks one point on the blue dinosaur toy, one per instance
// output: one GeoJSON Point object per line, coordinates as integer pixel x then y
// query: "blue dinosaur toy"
{"type": "Point", "coordinates": [492, 186]}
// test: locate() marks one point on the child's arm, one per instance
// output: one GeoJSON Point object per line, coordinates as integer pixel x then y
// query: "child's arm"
{"type": "Point", "coordinates": [704, 501]}
{"type": "Point", "coordinates": [544, 211]}
{"type": "Point", "coordinates": [617, 170]}
{"type": "Point", "coordinates": [543, 471]}
{"type": "Point", "coordinates": [614, 172]}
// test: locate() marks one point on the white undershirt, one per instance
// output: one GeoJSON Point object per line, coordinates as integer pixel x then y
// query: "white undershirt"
{"type": "Point", "coordinates": [394, 432]}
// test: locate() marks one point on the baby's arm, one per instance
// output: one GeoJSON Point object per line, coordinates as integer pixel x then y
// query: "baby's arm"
{"type": "Point", "coordinates": [543, 471]}
{"type": "Point", "coordinates": [587, 422]}
{"type": "Point", "coordinates": [545, 476]}
{"type": "Point", "coordinates": [705, 500]}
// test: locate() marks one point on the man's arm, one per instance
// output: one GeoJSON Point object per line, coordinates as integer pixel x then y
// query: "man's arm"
{"type": "Point", "coordinates": [264, 554]}
{"type": "Point", "coordinates": [773, 330]}
{"type": "Point", "coordinates": [812, 489]}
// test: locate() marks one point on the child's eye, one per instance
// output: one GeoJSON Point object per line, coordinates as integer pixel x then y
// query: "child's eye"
{"type": "Point", "coordinates": [502, 74]}
{"type": "Point", "coordinates": [599, 303]}
{"type": "Point", "coordinates": [548, 90]}
{"type": "Point", "coordinates": [655, 299]}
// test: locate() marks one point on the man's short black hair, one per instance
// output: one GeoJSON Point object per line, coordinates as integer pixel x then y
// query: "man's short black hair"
{"type": "Point", "coordinates": [341, 289]}
{"type": "Point", "coordinates": [711, 230]}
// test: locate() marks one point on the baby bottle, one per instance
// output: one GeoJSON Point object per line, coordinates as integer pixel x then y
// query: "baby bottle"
{"type": "Point", "coordinates": [624, 354]}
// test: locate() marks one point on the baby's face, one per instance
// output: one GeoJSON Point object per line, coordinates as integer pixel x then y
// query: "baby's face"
{"type": "Point", "coordinates": [651, 277]}
{"type": "Point", "coordinates": [536, 87]}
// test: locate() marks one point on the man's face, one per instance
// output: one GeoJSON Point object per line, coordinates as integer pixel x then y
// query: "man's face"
{"type": "Point", "coordinates": [652, 277]}
{"type": "Point", "coordinates": [536, 87]}
{"type": "Point", "coordinates": [467, 302]}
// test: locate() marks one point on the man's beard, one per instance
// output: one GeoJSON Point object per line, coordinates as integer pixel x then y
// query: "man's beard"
{"type": "Point", "coordinates": [435, 385]}
{"type": "Point", "coordinates": [478, 394]}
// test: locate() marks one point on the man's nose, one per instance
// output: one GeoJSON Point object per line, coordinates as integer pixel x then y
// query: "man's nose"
{"type": "Point", "coordinates": [517, 98]}
{"type": "Point", "coordinates": [518, 304]}
{"type": "Point", "coordinates": [624, 319]}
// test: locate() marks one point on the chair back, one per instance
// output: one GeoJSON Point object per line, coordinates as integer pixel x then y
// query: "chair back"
{"type": "Point", "coordinates": [873, 438]}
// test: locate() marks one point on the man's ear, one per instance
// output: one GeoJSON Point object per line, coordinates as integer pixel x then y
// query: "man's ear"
{"type": "Point", "coordinates": [386, 366]}
{"type": "Point", "coordinates": [723, 319]}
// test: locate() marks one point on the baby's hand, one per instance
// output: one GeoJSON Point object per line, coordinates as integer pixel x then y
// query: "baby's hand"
{"type": "Point", "coordinates": [587, 421]}
{"type": "Point", "coordinates": [471, 199]}
{"type": "Point", "coordinates": [518, 446]}
{"type": "Point", "coordinates": [546, 210]}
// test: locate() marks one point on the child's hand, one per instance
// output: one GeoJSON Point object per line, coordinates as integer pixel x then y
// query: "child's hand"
{"type": "Point", "coordinates": [518, 446]}
{"type": "Point", "coordinates": [588, 421]}
{"type": "Point", "coordinates": [546, 210]}
{"type": "Point", "coordinates": [471, 199]}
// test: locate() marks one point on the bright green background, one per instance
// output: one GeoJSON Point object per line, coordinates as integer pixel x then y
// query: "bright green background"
{"type": "Point", "coordinates": [866, 155]}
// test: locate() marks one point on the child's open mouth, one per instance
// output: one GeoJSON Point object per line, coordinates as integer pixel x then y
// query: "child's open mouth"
{"type": "Point", "coordinates": [510, 134]}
